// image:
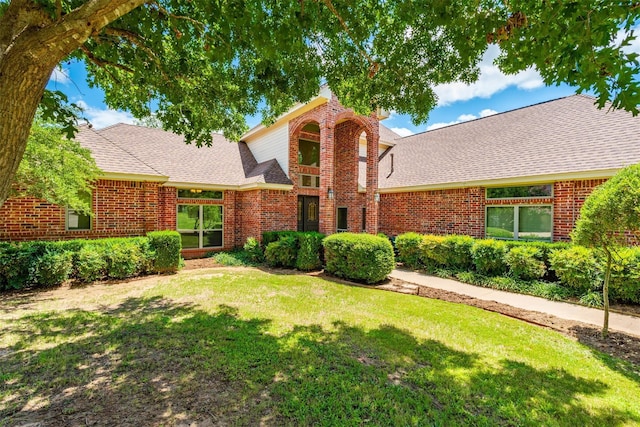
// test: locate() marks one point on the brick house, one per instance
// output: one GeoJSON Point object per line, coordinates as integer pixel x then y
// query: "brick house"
{"type": "Point", "coordinates": [523, 174]}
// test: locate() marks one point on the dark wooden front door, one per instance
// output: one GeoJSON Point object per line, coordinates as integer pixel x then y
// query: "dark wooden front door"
{"type": "Point", "coordinates": [308, 212]}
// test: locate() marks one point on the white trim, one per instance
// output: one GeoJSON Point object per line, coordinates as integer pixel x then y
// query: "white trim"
{"type": "Point", "coordinates": [523, 180]}
{"type": "Point", "coordinates": [298, 109]}
{"type": "Point", "coordinates": [121, 176]}
{"type": "Point", "coordinates": [222, 187]}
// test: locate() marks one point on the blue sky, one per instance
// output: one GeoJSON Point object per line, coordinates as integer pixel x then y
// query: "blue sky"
{"type": "Point", "coordinates": [493, 93]}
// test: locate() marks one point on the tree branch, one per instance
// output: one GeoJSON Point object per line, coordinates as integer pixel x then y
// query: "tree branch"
{"type": "Point", "coordinates": [103, 63]}
{"type": "Point", "coordinates": [165, 12]}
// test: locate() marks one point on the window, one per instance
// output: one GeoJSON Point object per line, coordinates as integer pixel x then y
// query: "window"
{"type": "Point", "coordinates": [544, 190]}
{"type": "Point", "coordinates": [199, 194]}
{"type": "Point", "coordinates": [519, 222]}
{"type": "Point", "coordinates": [364, 219]}
{"type": "Point", "coordinates": [342, 219]}
{"type": "Point", "coordinates": [308, 153]}
{"type": "Point", "coordinates": [200, 226]}
{"type": "Point", "coordinates": [312, 181]}
{"type": "Point", "coordinates": [79, 221]}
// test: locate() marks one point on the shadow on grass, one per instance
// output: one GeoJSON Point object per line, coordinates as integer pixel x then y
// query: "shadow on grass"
{"type": "Point", "coordinates": [152, 361]}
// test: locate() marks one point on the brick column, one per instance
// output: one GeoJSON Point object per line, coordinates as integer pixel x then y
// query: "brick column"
{"type": "Point", "coordinates": [327, 210]}
{"type": "Point", "coordinates": [372, 180]}
{"type": "Point", "coordinates": [150, 190]}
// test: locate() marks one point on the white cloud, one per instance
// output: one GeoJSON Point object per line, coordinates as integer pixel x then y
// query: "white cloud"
{"type": "Point", "coordinates": [463, 118]}
{"type": "Point", "coordinates": [101, 118]}
{"type": "Point", "coordinates": [634, 45]}
{"type": "Point", "coordinates": [403, 131]}
{"type": "Point", "coordinates": [491, 81]}
{"type": "Point", "coordinates": [60, 75]}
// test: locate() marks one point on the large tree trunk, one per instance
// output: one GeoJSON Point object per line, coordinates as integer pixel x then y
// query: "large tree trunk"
{"type": "Point", "coordinates": [32, 43]}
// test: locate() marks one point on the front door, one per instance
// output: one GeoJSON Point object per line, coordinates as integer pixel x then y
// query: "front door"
{"type": "Point", "coordinates": [308, 210]}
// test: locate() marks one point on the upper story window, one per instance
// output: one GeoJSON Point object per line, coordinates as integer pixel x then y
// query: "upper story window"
{"type": "Point", "coordinates": [311, 181]}
{"type": "Point", "coordinates": [199, 194]}
{"type": "Point", "coordinates": [520, 192]}
{"type": "Point", "coordinates": [308, 153]}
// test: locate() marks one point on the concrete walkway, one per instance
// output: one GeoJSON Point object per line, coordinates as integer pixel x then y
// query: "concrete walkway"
{"type": "Point", "coordinates": [563, 310]}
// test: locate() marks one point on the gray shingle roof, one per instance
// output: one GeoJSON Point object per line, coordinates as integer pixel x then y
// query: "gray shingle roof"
{"type": "Point", "coordinates": [168, 154]}
{"type": "Point", "coordinates": [387, 135]}
{"type": "Point", "coordinates": [110, 157]}
{"type": "Point", "coordinates": [567, 135]}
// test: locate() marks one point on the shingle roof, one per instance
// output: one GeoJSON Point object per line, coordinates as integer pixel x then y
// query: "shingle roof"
{"type": "Point", "coordinates": [567, 135]}
{"type": "Point", "coordinates": [387, 135]}
{"type": "Point", "coordinates": [110, 157]}
{"type": "Point", "coordinates": [167, 153]}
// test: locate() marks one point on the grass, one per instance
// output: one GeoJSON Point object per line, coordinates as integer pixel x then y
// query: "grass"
{"type": "Point", "coordinates": [245, 347]}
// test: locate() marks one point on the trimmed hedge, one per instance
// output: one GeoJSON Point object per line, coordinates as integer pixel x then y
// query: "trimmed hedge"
{"type": "Point", "coordinates": [45, 264]}
{"type": "Point", "coordinates": [166, 246]}
{"type": "Point", "coordinates": [301, 249]}
{"type": "Point", "coordinates": [567, 270]}
{"type": "Point", "coordinates": [282, 253]}
{"type": "Point", "coordinates": [360, 257]}
{"type": "Point", "coordinates": [310, 251]}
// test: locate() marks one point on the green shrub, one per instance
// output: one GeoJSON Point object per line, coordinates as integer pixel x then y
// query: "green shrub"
{"type": "Point", "coordinates": [274, 236]}
{"type": "Point", "coordinates": [15, 263]}
{"type": "Point", "coordinates": [592, 299]}
{"type": "Point", "coordinates": [576, 267]}
{"type": "Point", "coordinates": [433, 251]}
{"type": "Point", "coordinates": [360, 257]}
{"type": "Point", "coordinates": [309, 253]}
{"type": "Point", "coordinates": [524, 263]}
{"type": "Point", "coordinates": [234, 258]}
{"type": "Point", "coordinates": [550, 291]}
{"type": "Point", "coordinates": [254, 250]}
{"type": "Point", "coordinates": [52, 268]}
{"type": "Point", "coordinates": [458, 252]}
{"type": "Point", "coordinates": [282, 253]}
{"type": "Point", "coordinates": [408, 246]}
{"type": "Point", "coordinates": [123, 258]}
{"type": "Point", "coordinates": [166, 246]}
{"type": "Point", "coordinates": [488, 257]}
{"type": "Point", "coordinates": [625, 276]}
{"type": "Point", "coordinates": [90, 263]}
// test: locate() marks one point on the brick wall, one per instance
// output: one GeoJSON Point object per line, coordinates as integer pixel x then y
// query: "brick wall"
{"type": "Point", "coordinates": [455, 211]}
{"type": "Point", "coordinates": [568, 199]}
{"type": "Point", "coordinates": [123, 208]}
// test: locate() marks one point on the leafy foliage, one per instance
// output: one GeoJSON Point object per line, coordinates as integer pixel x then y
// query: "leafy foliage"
{"type": "Point", "coordinates": [577, 268]}
{"type": "Point", "coordinates": [310, 252]}
{"type": "Point", "coordinates": [524, 263]}
{"type": "Point", "coordinates": [254, 250]}
{"type": "Point", "coordinates": [488, 257]}
{"type": "Point", "coordinates": [282, 253]}
{"type": "Point", "coordinates": [360, 257]}
{"type": "Point", "coordinates": [408, 246]}
{"type": "Point", "coordinates": [56, 169]}
{"type": "Point", "coordinates": [166, 246]}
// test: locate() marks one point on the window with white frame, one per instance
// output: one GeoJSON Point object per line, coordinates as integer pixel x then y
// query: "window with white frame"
{"type": "Point", "coordinates": [519, 222]}
{"type": "Point", "coordinates": [77, 220]}
{"type": "Point", "coordinates": [200, 226]}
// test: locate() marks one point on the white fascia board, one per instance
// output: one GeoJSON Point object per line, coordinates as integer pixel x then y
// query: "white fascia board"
{"type": "Point", "coordinates": [121, 176]}
{"type": "Point", "coordinates": [522, 180]}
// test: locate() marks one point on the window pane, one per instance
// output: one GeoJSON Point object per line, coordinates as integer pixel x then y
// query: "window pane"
{"type": "Point", "coordinates": [188, 217]}
{"type": "Point", "coordinates": [342, 218]}
{"type": "Point", "coordinates": [199, 194]}
{"type": "Point", "coordinates": [519, 192]}
{"type": "Point", "coordinates": [190, 239]}
{"type": "Point", "coordinates": [500, 222]}
{"type": "Point", "coordinates": [211, 239]}
{"type": "Point", "coordinates": [212, 217]}
{"type": "Point", "coordinates": [534, 223]}
{"type": "Point", "coordinates": [78, 221]}
{"type": "Point", "coordinates": [306, 180]}
{"type": "Point", "coordinates": [308, 153]}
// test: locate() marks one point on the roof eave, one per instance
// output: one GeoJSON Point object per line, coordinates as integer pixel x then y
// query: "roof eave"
{"type": "Point", "coordinates": [123, 176]}
{"type": "Point", "coordinates": [522, 180]}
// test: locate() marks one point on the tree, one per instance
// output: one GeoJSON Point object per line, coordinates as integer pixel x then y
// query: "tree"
{"type": "Point", "coordinates": [207, 65]}
{"type": "Point", "coordinates": [608, 217]}
{"type": "Point", "coordinates": [56, 169]}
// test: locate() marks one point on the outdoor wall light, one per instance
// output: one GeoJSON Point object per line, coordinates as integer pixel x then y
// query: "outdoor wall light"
{"type": "Point", "coordinates": [376, 197]}
{"type": "Point", "coordinates": [330, 194]}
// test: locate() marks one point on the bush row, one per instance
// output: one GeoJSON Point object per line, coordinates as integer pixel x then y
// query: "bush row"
{"type": "Point", "coordinates": [290, 249]}
{"type": "Point", "coordinates": [45, 264]}
{"type": "Point", "coordinates": [575, 268]}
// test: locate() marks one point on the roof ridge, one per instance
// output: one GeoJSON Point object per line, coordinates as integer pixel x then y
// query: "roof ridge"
{"type": "Point", "coordinates": [499, 114]}
{"type": "Point", "coordinates": [125, 150]}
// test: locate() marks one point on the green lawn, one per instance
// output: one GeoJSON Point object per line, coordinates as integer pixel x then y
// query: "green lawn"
{"type": "Point", "coordinates": [245, 347]}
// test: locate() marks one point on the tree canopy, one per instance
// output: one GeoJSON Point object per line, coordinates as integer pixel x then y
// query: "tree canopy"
{"type": "Point", "coordinates": [56, 169]}
{"type": "Point", "coordinates": [609, 219]}
{"type": "Point", "coordinates": [207, 65]}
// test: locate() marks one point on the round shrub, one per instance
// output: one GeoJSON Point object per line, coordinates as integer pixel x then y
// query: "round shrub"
{"type": "Point", "coordinates": [53, 268]}
{"type": "Point", "coordinates": [360, 257]}
{"type": "Point", "coordinates": [408, 246]}
{"type": "Point", "coordinates": [282, 253]}
{"type": "Point", "coordinates": [166, 246]}
{"type": "Point", "coordinates": [524, 263]}
{"type": "Point", "coordinates": [123, 258]}
{"type": "Point", "coordinates": [625, 276]}
{"type": "Point", "coordinates": [576, 268]}
{"type": "Point", "coordinates": [254, 250]}
{"type": "Point", "coordinates": [488, 256]}
{"type": "Point", "coordinates": [433, 250]}
{"type": "Point", "coordinates": [458, 252]}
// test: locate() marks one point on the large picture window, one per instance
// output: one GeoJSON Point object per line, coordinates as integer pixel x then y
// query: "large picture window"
{"type": "Point", "coordinates": [200, 226]}
{"type": "Point", "coordinates": [519, 222]}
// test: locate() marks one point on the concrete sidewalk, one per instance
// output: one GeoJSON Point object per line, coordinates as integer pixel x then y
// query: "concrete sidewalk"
{"type": "Point", "coordinates": [563, 310]}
